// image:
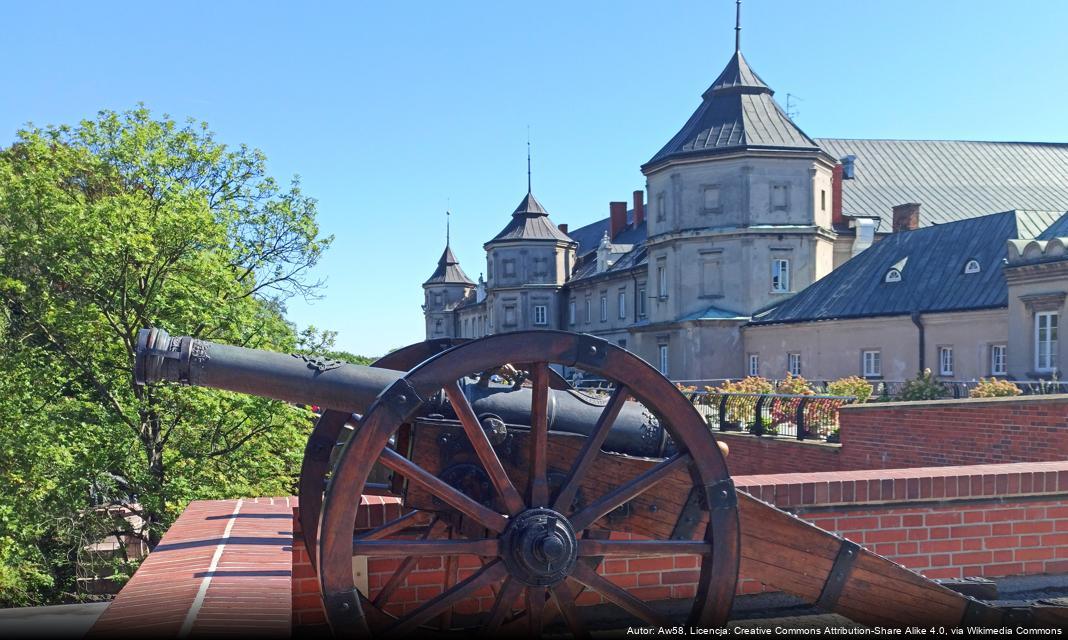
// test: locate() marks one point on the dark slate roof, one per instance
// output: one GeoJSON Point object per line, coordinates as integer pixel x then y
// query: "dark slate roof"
{"type": "Point", "coordinates": [587, 266]}
{"type": "Point", "coordinates": [530, 221]}
{"type": "Point", "coordinates": [737, 112]}
{"type": "Point", "coordinates": [933, 277]}
{"type": "Point", "coordinates": [449, 271]}
{"type": "Point", "coordinates": [589, 236]}
{"type": "Point", "coordinates": [951, 179]}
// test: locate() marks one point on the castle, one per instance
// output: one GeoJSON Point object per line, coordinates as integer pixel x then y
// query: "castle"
{"type": "Point", "coordinates": [715, 275]}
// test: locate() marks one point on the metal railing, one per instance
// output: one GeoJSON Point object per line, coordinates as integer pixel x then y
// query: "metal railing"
{"type": "Point", "coordinates": [890, 390]}
{"type": "Point", "coordinates": [771, 414]}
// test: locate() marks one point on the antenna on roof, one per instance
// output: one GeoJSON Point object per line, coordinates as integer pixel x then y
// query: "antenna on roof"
{"type": "Point", "coordinates": [737, 25]}
{"type": "Point", "coordinates": [528, 158]}
{"type": "Point", "coordinates": [447, 214]}
{"type": "Point", "coordinates": [791, 105]}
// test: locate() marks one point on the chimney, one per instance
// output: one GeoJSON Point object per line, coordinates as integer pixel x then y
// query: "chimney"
{"type": "Point", "coordinates": [617, 219]}
{"type": "Point", "coordinates": [639, 207]}
{"type": "Point", "coordinates": [562, 227]}
{"type": "Point", "coordinates": [848, 167]}
{"type": "Point", "coordinates": [836, 195]}
{"type": "Point", "coordinates": [906, 217]}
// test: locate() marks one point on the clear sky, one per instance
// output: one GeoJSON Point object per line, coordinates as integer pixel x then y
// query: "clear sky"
{"type": "Point", "coordinates": [391, 111]}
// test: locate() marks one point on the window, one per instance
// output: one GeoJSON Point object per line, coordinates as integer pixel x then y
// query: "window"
{"type": "Point", "coordinates": [437, 299]}
{"type": "Point", "coordinates": [711, 276]}
{"type": "Point", "coordinates": [663, 358]}
{"type": "Point", "coordinates": [587, 310]}
{"type": "Point", "coordinates": [712, 199]}
{"type": "Point", "coordinates": [794, 364]}
{"type": "Point", "coordinates": [754, 364]}
{"type": "Point", "coordinates": [509, 268]}
{"type": "Point", "coordinates": [872, 364]}
{"type": "Point", "coordinates": [661, 208]}
{"type": "Point", "coordinates": [541, 314]}
{"type": "Point", "coordinates": [541, 267]}
{"type": "Point", "coordinates": [972, 267]}
{"type": "Point", "coordinates": [622, 305]}
{"type": "Point", "coordinates": [998, 365]}
{"type": "Point", "coordinates": [571, 312]}
{"type": "Point", "coordinates": [509, 315]}
{"type": "Point", "coordinates": [780, 276]}
{"type": "Point", "coordinates": [779, 196]}
{"type": "Point", "coordinates": [438, 326]}
{"type": "Point", "coordinates": [823, 199]}
{"type": "Point", "coordinates": [641, 302]}
{"type": "Point", "coordinates": [604, 308]}
{"type": "Point", "coordinates": [661, 279]}
{"type": "Point", "coordinates": [893, 275]}
{"type": "Point", "coordinates": [1046, 341]}
{"type": "Point", "coordinates": [945, 361]}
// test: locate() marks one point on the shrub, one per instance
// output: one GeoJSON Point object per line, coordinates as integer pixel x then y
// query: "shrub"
{"type": "Point", "coordinates": [994, 388]}
{"type": "Point", "coordinates": [854, 386]}
{"type": "Point", "coordinates": [924, 387]}
{"type": "Point", "coordinates": [741, 410]}
{"type": "Point", "coordinates": [794, 385]}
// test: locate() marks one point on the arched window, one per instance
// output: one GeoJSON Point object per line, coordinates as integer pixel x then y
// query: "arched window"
{"type": "Point", "coordinates": [972, 267]}
{"type": "Point", "coordinates": [893, 275]}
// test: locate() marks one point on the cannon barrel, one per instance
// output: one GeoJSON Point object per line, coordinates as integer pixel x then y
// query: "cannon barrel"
{"type": "Point", "coordinates": [352, 388]}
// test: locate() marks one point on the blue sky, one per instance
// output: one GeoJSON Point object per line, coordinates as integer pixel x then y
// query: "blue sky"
{"type": "Point", "coordinates": [391, 111]}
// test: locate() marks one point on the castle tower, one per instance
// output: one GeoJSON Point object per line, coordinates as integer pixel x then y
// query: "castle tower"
{"type": "Point", "coordinates": [446, 288]}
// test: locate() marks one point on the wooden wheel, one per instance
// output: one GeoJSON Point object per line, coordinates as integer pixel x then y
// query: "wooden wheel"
{"type": "Point", "coordinates": [328, 430]}
{"type": "Point", "coordinates": [538, 544]}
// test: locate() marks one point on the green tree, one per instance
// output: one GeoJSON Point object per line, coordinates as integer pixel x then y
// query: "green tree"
{"type": "Point", "coordinates": [122, 222]}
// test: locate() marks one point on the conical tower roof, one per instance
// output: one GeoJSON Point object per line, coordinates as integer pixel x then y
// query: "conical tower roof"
{"type": "Point", "coordinates": [449, 271]}
{"type": "Point", "coordinates": [737, 113]}
{"type": "Point", "coordinates": [530, 221]}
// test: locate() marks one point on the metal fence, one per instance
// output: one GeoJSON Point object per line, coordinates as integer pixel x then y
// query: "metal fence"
{"type": "Point", "coordinates": [798, 416]}
{"type": "Point", "coordinates": [890, 390]}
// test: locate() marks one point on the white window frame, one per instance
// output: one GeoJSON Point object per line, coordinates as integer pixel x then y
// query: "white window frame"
{"type": "Point", "coordinates": [622, 305]}
{"type": "Point", "coordinates": [892, 275]}
{"type": "Point", "coordinates": [998, 360]}
{"type": "Point", "coordinates": [661, 280]}
{"type": "Point", "coordinates": [972, 266]}
{"type": "Point", "coordinates": [754, 364]}
{"type": "Point", "coordinates": [571, 312]}
{"type": "Point", "coordinates": [945, 360]}
{"type": "Point", "coordinates": [604, 307]}
{"type": "Point", "coordinates": [663, 357]}
{"type": "Point", "coordinates": [871, 363]}
{"type": "Point", "coordinates": [661, 207]}
{"type": "Point", "coordinates": [1046, 349]}
{"type": "Point", "coordinates": [793, 365]}
{"type": "Point", "coordinates": [780, 275]}
{"type": "Point", "coordinates": [541, 314]}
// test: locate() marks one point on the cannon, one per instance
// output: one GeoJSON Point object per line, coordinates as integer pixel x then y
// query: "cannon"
{"type": "Point", "coordinates": [538, 482]}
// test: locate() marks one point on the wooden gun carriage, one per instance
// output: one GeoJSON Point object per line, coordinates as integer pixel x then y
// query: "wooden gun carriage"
{"type": "Point", "coordinates": [541, 483]}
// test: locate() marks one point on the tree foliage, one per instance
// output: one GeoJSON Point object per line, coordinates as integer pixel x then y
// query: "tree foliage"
{"type": "Point", "coordinates": [122, 222]}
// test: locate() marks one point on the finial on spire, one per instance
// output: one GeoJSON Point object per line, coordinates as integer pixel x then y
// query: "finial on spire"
{"type": "Point", "coordinates": [737, 25]}
{"type": "Point", "coordinates": [447, 214]}
{"type": "Point", "coordinates": [528, 159]}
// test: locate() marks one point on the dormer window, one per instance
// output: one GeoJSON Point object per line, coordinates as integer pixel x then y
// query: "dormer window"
{"type": "Point", "coordinates": [894, 274]}
{"type": "Point", "coordinates": [972, 267]}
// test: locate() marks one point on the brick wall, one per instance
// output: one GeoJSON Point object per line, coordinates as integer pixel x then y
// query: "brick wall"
{"type": "Point", "coordinates": [751, 454]}
{"type": "Point", "coordinates": [954, 432]}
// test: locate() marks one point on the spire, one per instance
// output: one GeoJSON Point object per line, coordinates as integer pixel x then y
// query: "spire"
{"type": "Point", "coordinates": [528, 159]}
{"type": "Point", "coordinates": [446, 227]}
{"type": "Point", "coordinates": [737, 25]}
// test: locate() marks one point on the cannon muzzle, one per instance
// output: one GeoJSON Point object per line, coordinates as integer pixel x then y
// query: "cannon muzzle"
{"type": "Point", "coordinates": [340, 386]}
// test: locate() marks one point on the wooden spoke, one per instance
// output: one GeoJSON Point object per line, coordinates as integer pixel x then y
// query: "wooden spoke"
{"type": "Point", "coordinates": [513, 502]}
{"type": "Point", "coordinates": [564, 597]}
{"type": "Point", "coordinates": [457, 500]}
{"type": "Point", "coordinates": [421, 548]}
{"type": "Point", "coordinates": [394, 526]}
{"type": "Point", "coordinates": [643, 547]}
{"type": "Point", "coordinates": [629, 491]}
{"type": "Point", "coordinates": [488, 574]}
{"type": "Point", "coordinates": [535, 610]}
{"type": "Point", "coordinates": [452, 569]}
{"type": "Point", "coordinates": [406, 566]}
{"type": "Point", "coordinates": [618, 595]}
{"type": "Point", "coordinates": [502, 606]}
{"type": "Point", "coordinates": [539, 435]}
{"type": "Point", "coordinates": [590, 449]}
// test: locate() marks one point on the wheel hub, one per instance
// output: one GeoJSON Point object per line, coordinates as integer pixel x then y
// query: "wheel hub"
{"type": "Point", "coordinates": [539, 547]}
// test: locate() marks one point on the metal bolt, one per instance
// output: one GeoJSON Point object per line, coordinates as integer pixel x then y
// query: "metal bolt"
{"type": "Point", "coordinates": [402, 398]}
{"type": "Point", "coordinates": [593, 350]}
{"type": "Point", "coordinates": [654, 508]}
{"type": "Point", "coordinates": [345, 606]}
